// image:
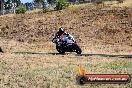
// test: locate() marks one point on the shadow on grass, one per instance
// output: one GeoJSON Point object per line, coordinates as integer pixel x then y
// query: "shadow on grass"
{"type": "Point", "coordinates": [106, 55]}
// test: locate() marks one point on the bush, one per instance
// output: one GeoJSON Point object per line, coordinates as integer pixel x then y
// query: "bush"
{"type": "Point", "coordinates": [62, 4]}
{"type": "Point", "coordinates": [98, 1]}
{"type": "Point", "coordinates": [120, 1]}
{"type": "Point", "coordinates": [20, 9]}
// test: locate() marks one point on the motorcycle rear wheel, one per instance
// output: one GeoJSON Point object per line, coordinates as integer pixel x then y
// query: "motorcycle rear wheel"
{"type": "Point", "coordinates": [60, 49]}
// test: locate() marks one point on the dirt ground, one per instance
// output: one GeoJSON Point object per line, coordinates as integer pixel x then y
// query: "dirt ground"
{"type": "Point", "coordinates": [30, 60]}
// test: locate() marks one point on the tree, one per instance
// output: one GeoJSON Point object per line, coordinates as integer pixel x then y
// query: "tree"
{"type": "Point", "coordinates": [41, 3]}
{"type": "Point", "coordinates": [62, 4]}
{"type": "Point", "coordinates": [2, 6]}
{"type": "Point", "coordinates": [29, 6]}
{"type": "Point", "coordinates": [18, 2]}
{"type": "Point", "coordinates": [20, 9]}
{"type": "Point", "coordinates": [9, 5]}
{"type": "Point", "coordinates": [14, 4]}
{"type": "Point", "coordinates": [38, 3]}
{"type": "Point", "coordinates": [51, 1]}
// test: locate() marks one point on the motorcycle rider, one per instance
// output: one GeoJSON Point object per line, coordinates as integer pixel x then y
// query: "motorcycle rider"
{"type": "Point", "coordinates": [60, 35]}
{"type": "Point", "coordinates": [61, 32]}
{"type": "Point", "coordinates": [65, 42]}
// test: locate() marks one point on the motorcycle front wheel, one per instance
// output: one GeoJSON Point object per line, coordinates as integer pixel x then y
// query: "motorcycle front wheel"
{"type": "Point", "coordinates": [77, 48]}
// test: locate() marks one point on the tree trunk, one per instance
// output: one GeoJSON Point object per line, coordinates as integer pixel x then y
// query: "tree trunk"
{"type": "Point", "coordinates": [2, 6]}
{"type": "Point", "coordinates": [14, 7]}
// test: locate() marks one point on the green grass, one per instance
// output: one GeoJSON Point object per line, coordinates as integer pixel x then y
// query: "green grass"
{"type": "Point", "coordinates": [60, 72]}
{"type": "Point", "coordinates": [118, 64]}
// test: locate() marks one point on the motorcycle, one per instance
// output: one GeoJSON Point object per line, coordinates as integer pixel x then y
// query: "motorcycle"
{"type": "Point", "coordinates": [66, 43]}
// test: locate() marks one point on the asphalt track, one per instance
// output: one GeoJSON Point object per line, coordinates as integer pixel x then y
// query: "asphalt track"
{"type": "Point", "coordinates": [101, 55]}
